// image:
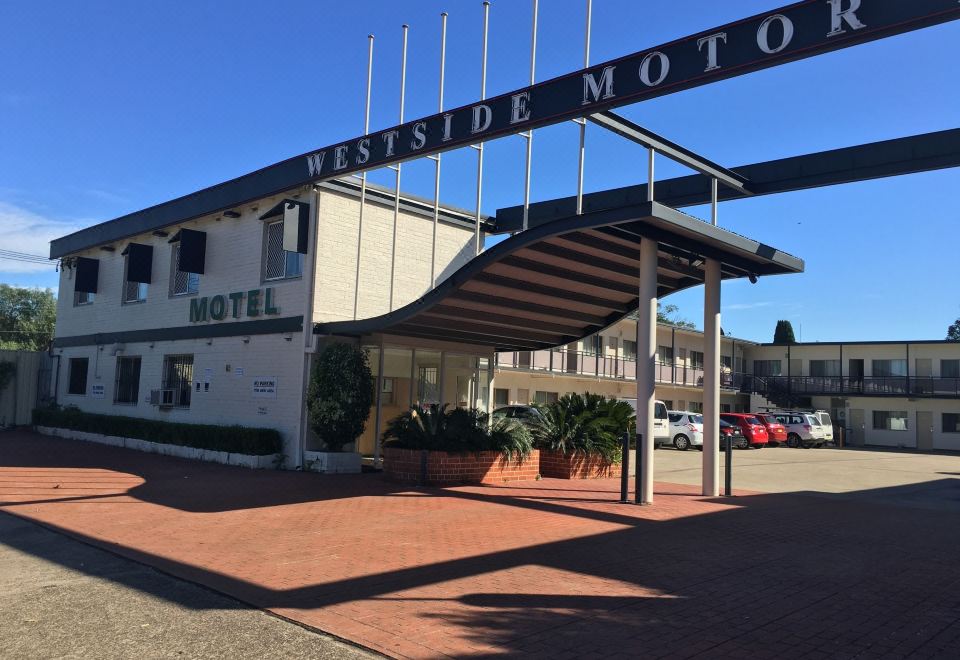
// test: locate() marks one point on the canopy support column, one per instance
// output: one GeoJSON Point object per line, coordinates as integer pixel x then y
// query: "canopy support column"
{"type": "Point", "coordinates": [646, 355]}
{"type": "Point", "coordinates": [711, 379]}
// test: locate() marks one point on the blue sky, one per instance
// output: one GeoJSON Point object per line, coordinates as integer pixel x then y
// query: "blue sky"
{"type": "Point", "coordinates": [110, 107]}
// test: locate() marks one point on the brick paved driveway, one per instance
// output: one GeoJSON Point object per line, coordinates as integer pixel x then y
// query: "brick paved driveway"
{"type": "Point", "coordinates": [548, 568]}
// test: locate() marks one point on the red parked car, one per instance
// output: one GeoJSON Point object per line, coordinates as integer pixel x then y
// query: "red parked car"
{"type": "Point", "coordinates": [776, 431]}
{"type": "Point", "coordinates": [754, 432]}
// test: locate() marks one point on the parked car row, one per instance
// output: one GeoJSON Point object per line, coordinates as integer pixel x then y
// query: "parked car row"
{"type": "Point", "coordinates": [757, 430]}
{"type": "Point", "coordinates": [684, 429]}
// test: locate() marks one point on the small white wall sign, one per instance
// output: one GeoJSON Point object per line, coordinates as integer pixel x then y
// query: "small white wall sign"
{"type": "Point", "coordinates": [265, 387]}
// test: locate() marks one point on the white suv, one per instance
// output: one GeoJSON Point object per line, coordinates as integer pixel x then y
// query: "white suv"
{"type": "Point", "coordinates": [803, 429]}
{"type": "Point", "coordinates": [686, 430]}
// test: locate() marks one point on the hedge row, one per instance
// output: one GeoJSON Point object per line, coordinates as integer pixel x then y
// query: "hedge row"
{"type": "Point", "coordinates": [234, 439]}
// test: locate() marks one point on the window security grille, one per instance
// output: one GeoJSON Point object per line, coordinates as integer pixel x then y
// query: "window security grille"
{"type": "Point", "coordinates": [178, 376]}
{"type": "Point", "coordinates": [78, 376]}
{"type": "Point", "coordinates": [183, 283]}
{"type": "Point", "coordinates": [127, 386]}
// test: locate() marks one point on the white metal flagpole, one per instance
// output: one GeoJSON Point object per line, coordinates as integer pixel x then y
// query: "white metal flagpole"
{"type": "Point", "coordinates": [483, 96]}
{"type": "Point", "coordinates": [363, 177]}
{"type": "Point", "coordinates": [529, 134]}
{"type": "Point", "coordinates": [436, 158]}
{"type": "Point", "coordinates": [396, 198]}
{"type": "Point", "coordinates": [582, 121]}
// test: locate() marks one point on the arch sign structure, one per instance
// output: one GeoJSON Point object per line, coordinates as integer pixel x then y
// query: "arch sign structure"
{"type": "Point", "coordinates": [572, 268]}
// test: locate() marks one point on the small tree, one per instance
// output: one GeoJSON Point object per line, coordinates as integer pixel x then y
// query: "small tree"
{"type": "Point", "coordinates": [784, 333]}
{"type": "Point", "coordinates": [953, 332]}
{"type": "Point", "coordinates": [340, 395]}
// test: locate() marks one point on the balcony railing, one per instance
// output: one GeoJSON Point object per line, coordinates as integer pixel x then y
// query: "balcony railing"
{"type": "Point", "coordinates": [578, 363]}
{"type": "Point", "coordinates": [912, 386]}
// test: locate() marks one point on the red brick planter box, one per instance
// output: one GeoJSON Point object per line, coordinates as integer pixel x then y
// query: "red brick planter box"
{"type": "Point", "coordinates": [575, 466]}
{"type": "Point", "coordinates": [448, 469]}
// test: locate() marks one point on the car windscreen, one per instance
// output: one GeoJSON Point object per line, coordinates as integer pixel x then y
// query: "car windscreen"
{"type": "Point", "coordinates": [675, 417]}
{"type": "Point", "coordinates": [825, 419]}
{"type": "Point", "coordinates": [754, 421]}
{"type": "Point", "coordinates": [660, 411]}
{"type": "Point", "coordinates": [696, 419]}
{"type": "Point", "coordinates": [813, 421]}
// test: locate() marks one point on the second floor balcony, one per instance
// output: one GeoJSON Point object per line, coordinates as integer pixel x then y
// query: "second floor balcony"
{"type": "Point", "coordinates": [773, 387]}
{"type": "Point", "coordinates": [592, 365]}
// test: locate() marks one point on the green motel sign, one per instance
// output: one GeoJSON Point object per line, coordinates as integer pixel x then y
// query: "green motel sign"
{"type": "Point", "coordinates": [251, 303]}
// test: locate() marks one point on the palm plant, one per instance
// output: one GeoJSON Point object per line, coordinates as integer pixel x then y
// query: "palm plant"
{"type": "Point", "coordinates": [588, 424]}
{"type": "Point", "coordinates": [439, 428]}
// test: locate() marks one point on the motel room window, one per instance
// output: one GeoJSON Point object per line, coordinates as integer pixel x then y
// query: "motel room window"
{"type": "Point", "coordinates": [889, 368]}
{"type": "Point", "coordinates": [890, 420]}
{"type": "Point", "coordinates": [696, 359]}
{"type": "Point", "coordinates": [668, 403]}
{"type": "Point", "coordinates": [767, 368]}
{"type": "Point", "coordinates": [278, 263]}
{"type": "Point", "coordinates": [178, 376]}
{"type": "Point", "coordinates": [664, 354]}
{"type": "Point", "coordinates": [951, 422]}
{"type": "Point", "coordinates": [78, 376]}
{"type": "Point", "coordinates": [386, 392]}
{"type": "Point", "coordinates": [127, 385]}
{"type": "Point", "coordinates": [182, 284]}
{"type": "Point", "coordinates": [695, 406]}
{"type": "Point", "coordinates": [629, 349]}
{"type": "Point", "coordinates": [544, 398]}
{"type": "Point", "coordinates": [83, 298]}
{"type": "Point", "coordinates": [950, 368]}
{"type": "Point", "coordinates": [501, 396]}
{"type": "Point", "coordinates": [825, 368]}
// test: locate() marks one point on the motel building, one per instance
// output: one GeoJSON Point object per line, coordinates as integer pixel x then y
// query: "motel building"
{"type": "Point", "coordinates": [210, 308]}
{"type": "Point", "coordinates": [882, 393]}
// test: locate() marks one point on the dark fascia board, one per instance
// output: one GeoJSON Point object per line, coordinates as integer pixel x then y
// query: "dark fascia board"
{"type": "Point", "coordinates": [233, 329]}
{"type": "Point", "coordinates": [885, 342]}
{"type": "Point", "coordinates": [232, 194]}
{"type": "Point", "coordinates": [907, 155]}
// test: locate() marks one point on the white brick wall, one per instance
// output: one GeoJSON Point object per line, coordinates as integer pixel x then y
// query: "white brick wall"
{"type": "Point", "coordinates": [337, 257]}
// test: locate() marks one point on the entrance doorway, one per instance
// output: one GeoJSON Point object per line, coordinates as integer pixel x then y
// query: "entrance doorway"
{"type": "Point", "coordinates": [924, 430]}
{"type": "Point", "coordinates": [857, 438]}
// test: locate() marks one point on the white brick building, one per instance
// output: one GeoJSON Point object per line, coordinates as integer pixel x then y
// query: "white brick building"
{"type": "Point", "coordinates": [231, 345]}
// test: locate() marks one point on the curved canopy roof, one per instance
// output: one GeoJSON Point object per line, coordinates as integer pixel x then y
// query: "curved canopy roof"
{"type": "Point", "coordinates": [568, 278]}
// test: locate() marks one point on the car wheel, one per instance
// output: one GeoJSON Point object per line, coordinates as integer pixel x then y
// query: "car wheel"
{"type": "Point", "coordinates": [681, 442]}
{"type": "Point", "coordinates": [793, 440]}
{"type": "Point", "coordinates": [743, 444]}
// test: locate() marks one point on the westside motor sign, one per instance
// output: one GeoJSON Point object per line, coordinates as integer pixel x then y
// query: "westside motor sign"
{"type": "Point", "coordinates": [798, 31]}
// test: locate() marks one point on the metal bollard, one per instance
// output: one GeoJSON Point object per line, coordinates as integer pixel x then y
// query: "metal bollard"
{"type": "Point", "coordinates": [637, 481]}
{"type": "Point", "coordinates": [728, 471]}
{"type": "Point", "coordinates": [625, 469]}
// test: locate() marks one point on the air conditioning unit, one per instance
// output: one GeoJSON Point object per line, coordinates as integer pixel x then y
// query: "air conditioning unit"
{"type": "Point", "coordinates": [163, 398]}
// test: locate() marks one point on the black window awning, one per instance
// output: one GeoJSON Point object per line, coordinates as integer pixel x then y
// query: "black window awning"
{"type": "Point", "coordinates": [139, 262]}
{"type": "Point", "coordinates": [296, 223]}
{"type": "Point", "coordinates": [193, 250]}
{"type": "Point", "coordinates": [87, 275]}
{"type": "Point", "coordinates": [569, 278]}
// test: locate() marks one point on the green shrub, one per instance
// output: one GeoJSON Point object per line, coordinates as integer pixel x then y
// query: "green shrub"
{"type": "Point", "coordinates": [588, 424]}
{"type": "Point", "coordinates": [457, 430]}
{"type": "Point", "coordinates": [340, 395]}
{"type": "Point", "coordinates": [234, 439]}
